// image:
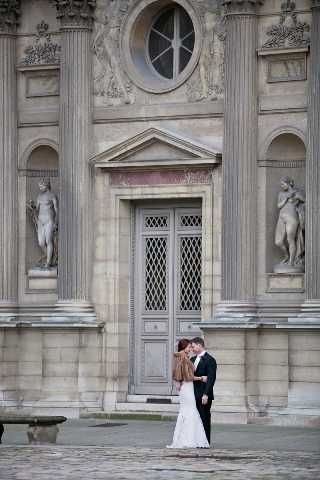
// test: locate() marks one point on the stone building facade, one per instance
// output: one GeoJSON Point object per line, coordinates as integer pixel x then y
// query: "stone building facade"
{"type": "Point", "coordinates": [167, 129]}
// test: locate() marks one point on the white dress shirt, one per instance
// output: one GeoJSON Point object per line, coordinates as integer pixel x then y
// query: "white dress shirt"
{"type": "Point", "coordinates": [197, 360]}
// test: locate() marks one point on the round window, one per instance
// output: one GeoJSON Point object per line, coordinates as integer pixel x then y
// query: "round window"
{"type": "Point", "coordinates": [171, 42]}
{"type": "Point", "coordinates": [161, 44]}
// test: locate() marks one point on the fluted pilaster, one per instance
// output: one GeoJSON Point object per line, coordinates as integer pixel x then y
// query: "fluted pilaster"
{"type": "Point", "coordinates": [75, 136]}
{"type": "Point", "coordinates": [313, 165]}
{"type": "Point", "coordinates": [240, 155]}
{"type": "Point", "coordinates": [8, 158]}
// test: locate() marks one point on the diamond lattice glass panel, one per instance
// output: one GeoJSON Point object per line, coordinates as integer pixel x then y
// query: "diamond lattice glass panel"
{"type": "Point", "coordinates": [190, 220]}
{"type": "Point", "coordinates": [190, 274]}
{"type": "Point", "coordinates": [156, 221]}
{"type": "Point", "coordinates": [155, 273]}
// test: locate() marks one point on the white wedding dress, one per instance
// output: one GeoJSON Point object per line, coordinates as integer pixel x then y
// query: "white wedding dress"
{"type": "Point", "coordinates": [189, 431]}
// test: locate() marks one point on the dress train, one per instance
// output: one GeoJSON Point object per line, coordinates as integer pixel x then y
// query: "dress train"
{"type": "Point", "coordinates": [189, 431]}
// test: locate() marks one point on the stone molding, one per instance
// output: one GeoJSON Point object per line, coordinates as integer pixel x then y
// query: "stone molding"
{"type": "Point", "coordinates": [282, 163]}
{"type": "Point", "coordinates": [76, 13]}
{"type": "Point", "coordinates": [315, 4]}
{"type": "Point", "coordinates": [9, 15]}
{"type": "Point", "coordinates": [241, 6]}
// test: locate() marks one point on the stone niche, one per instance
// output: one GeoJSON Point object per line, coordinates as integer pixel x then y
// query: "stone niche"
{"type": "Point", "coordinates": [285, 157]}
{"type": "Point", "coordinates": [42, 163]}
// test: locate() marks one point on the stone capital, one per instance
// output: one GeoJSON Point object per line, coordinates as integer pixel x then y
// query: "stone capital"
{"type": "Point", "coordinates": [241, 6]}
{"type": "Point", "coordinates": [9, 14]}
{"type": "Point", "coordinates": [75, 13]}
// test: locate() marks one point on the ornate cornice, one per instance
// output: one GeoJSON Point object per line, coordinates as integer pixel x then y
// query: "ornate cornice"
{"type": "Point", "coordinates": [75, 13]}
{"type": "Point", "coordinates": [9, 14]}
{"type": "Point", "coordinates": [241, 6]}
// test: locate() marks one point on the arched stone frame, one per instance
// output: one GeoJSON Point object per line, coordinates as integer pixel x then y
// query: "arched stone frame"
{"type": "Point", "coordinates": [264, 271]}
{"type": "Point", "coordinates": [265, 144]}
{"type": "Point", "coordinates": [24, 297]}
{"type": "Point", "coordinates": [39, 142]}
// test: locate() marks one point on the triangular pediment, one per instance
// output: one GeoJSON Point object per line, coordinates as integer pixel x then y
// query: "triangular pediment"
{"type": "Point", "coordinates": [155, 146]}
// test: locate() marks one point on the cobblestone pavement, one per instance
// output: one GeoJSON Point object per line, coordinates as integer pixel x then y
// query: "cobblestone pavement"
{"type": "Point", "coordinates": [95, 463]}
{"type": "Point", "coordinates": [95, 449]}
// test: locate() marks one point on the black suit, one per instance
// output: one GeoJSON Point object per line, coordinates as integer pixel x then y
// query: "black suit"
{"type": "Point", "coordinates": [206, 367]}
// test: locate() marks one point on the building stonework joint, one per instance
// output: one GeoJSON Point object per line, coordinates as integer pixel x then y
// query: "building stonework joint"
{"type": "Point", "coordinates": [9, 15]}
{"type": "Point", "coordinates": [76, 13]}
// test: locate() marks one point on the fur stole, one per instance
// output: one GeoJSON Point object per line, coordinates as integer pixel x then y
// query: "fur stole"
{"type": "Point", "coordinates": [182, 369]}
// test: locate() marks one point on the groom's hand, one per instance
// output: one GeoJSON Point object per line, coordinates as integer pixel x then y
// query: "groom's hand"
{"type": "Point", "coordinates": [204, 399]}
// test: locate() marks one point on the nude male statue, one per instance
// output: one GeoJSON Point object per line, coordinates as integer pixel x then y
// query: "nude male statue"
{"type": "Point", "coordinates": [47, 221]}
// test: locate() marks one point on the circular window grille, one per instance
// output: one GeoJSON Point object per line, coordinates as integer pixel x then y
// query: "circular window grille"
{"type": "Point", "coordinates": [171, 42]}
{"type": "Point", "coordinates": [161, 44]}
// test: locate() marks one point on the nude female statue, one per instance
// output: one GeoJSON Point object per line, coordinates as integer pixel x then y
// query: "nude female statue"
{"type": "Point", "coordinates": [289, 234]}
{"type": "Point", "coordinates": [47, 220]}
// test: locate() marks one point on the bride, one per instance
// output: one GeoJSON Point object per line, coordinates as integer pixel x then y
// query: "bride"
{"type": "Point", "coordinates": [189, 431]}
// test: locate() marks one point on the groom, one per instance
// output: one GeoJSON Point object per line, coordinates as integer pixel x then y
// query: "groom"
{"type": "Point", "coordinates": [205, 365]}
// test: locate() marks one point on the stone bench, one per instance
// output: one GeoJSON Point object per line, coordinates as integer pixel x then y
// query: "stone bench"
{"type": "Point", "coordinates": [42, 429]}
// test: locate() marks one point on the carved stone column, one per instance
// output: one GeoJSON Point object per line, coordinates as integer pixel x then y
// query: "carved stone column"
{"type": "Point", "coordinates": [313, 171]}
{"type": "Point", "coordinates": [75, 136]}
{"type": "Point", "coordinates": [239, 161]}
{"type": "Point", "coordinates": [9, 13]}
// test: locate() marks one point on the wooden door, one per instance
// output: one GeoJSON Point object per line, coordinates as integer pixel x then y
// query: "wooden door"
{"type": "Point", "coordinates": [167, 291]}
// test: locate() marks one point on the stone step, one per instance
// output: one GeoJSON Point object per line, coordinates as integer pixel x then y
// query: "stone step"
{"type": "Point", "coordinates": [147, 407]}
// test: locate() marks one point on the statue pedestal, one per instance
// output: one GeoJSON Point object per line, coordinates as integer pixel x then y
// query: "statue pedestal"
{"type": "Point", "coordinates": [288, 269]}
{"type": "Point", "coordinates": [285, 282]}
{"type": "Point", "coordinates": [42, 278]}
